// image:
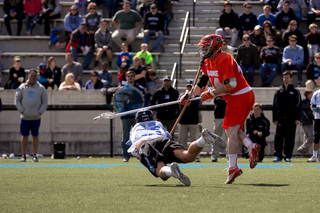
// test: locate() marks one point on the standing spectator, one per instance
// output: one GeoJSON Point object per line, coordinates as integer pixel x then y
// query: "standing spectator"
{"type": "Point", "coordinates": [314, 11]}
{"type": "Point", "coordinates": [306, 122]}
{"type": "Point", "coordinates": [72, 21]}
{"type": "Point", "coordinates": [267, 16]}
{"type": "Point", "coordinates": [292, 30]}
{"type": "Point", "coordinates": [313, 73]}
{"type": "Point", "coordinates": [31, 101]}
{"type": "Point", "coordinates": [140, 72]}
{"type": "Point", "coordinates": [153, 26]}
{"type": "Point", "coordinates": [55, 71]}
{"type": "Point", "coordinates": [32, 9]}
{"type": "Point", "coordinates": [227, 48]}
{"type": "Point", "coordinates": [292, 58]}
{"type": "Point", "coordinates": [228, 23]}
{"type": "Point", "coordinates": [92, 20]}
{"type": "Point", "coordinates": [286, 115]}
{"type": "Point", "coordinates": [127, 23]}
{"type": "Point", "coordinates": [73, 67]}
{"type": "Point", "coordinates": [247, 20]}
{"type": "Point", "coordinates": [269, 56]}
{"type": "Point", "coordinates": [248, 58]}
{"type": "Point", "coordinates": [83, 4]}
{"type": "Point", "coordinates": [112, 6]}
{"type": "Point", "coordinates": [103, 43]}
{"type": "Point", "coordinates": [315, 105]}
{"type": "Point", "coordinates": [255, 37]}
{"type": "Point", "coordinates": [69, 83]}
{"type": "Point", "coordinates": [146, 55]}
{"type": "Point", "coordinates": [312, 41]}
{"type": "Point", "coordinates": [258, 128]}
{"type": "Point", "coordinates": [167, 115]}
{"type": "Point", "coordinates": [144, 7]}
{"type": "Point", "coordinates": [13, 9]}
{"type": "Point", "coordinates": [124, 58]}
{"type": "Point", "coordinates": [165, 6]}
{"type": "Point", "coordinates": [298, 6]}
{"type": "Point", "coordinates": [95, 82]}
{"type": "Point", "coordinates": [80, 42]}
{"type": "Point", "coordinates": [16, 74]}
{"type": "Point", "coordinates": [219, 113]}
{"type": "Point", "coordinates": [189, 122]}
{"type": "Point", "coordinates": [105, 74]}
{"type": "Point", "coordinates": [284, 17]}
{"type": "Point", "coordinates": [50, 10]}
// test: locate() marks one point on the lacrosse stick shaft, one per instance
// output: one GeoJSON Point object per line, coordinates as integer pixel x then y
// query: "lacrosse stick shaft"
{"type": "Point", "coordinates": [186, 104]}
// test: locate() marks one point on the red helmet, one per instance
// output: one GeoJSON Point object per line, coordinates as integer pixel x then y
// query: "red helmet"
{"type": "Point", "coordinates": [213, 39]}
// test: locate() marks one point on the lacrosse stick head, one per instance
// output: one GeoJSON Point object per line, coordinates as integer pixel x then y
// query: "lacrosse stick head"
{"type": "Point", "coordinates": [210, 45]}
{"type": "Point", "coordinates": [106, 115]}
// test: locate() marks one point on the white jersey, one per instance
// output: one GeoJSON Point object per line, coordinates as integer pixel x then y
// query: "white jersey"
{"type": "Point", "coordinates": [146, 131]}
{"type": "Point", "coordinates": [316, 101]}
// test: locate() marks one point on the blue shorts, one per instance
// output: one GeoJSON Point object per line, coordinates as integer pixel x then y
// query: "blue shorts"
{"type": "Point", "coordinates": [26, 126]}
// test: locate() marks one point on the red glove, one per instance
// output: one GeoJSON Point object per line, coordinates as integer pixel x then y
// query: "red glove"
{"type": "Point", "coordinates": [207, 95]}
{"type": "Point", "coordinates": [184, 98]}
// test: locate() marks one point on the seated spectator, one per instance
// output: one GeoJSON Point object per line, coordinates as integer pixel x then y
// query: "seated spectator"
{"type": "Point", "coordinates": [92, 20]}
{"type": "Point", "coordinates": [248, 58]}
{"type": "Point", "coordinates": [228, 23]}
{"type": "Point", "coordinates": [103, 43]}
{"type": "Point", "coordinates": [13, 9]}
{"type": "Point", "coordinates": [144, 7]}
{"type": "Point", "coordinates": [16, 74]}
{"type": "Point", "coordinates": [32, 9]}
{"type": "Point", "coordinates": [50, 10]}
{"type": "Point", "coordinates": [255, 37]}
{"type": "Point", "coordinates": [165, 6]}
{"type": "Point", "coordinates": [144, 53]}
{"type": "Point", "coordinates": [312, 41]}
{"type": "Point", "coordinates": [80, 42]}
{"type": "Point", "coordinates": [150, 78]}
{"type": "Point", "coordinates": [153, 26]}
{"type": "Point", "coordinates": [247, 21]}
{"type": "Point", "coordinates": [69, 83]}
{"type": "Point", "coordinates": [112, 6]}
{"type": "Point", "coordinates": [73, 67]}
{"type": "Point", "coordinates": [122, 75]}
{"type": "Point", "coordinates": [269, 56]}
{"type": "Point", "coordinates": [292, 30]}
{"type": "Point", "coordinates": [124, 58]}
{"type": "Point", "coordinates": [127, 22]}
{"type": "Point", "coordinates": [272, 3]}
{"type": "Point", "coordinates": [72, 21]}
{"type": "Point", "coordinates": [104, 74]}
{"type": "Point", "coordinates": [95, 82]}
{"type": "Point", "coordinates": [227, 48]}
{"type": "Point", "coordinates": [313, 73]}
{"type": "Point", "coordinates": [140, 72]}
{"type": "Point", "coordinates": [55, 72]}
{"type": "Point", "coordinates": [83, 4]}
{"type": "Point", "coordinates": [314, 11]}
{"type": "Point", "coordinates": [292, 58]}
{"type": "Point", "coordinates": [298, 6]}
{"type": "Point", "coordinates": [284, 17]}
{"type": "Point", "coordinates": [267, 16]}
{"type": "Point", "coordinates": [268, 30]}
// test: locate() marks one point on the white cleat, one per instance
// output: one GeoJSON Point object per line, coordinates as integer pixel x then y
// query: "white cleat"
{"type": "Point", "coordinates": [212, 138]}
{"type": "Point", "coordinates": [312, 159]}
{"type": "Point", "coordinates": [176, 173]}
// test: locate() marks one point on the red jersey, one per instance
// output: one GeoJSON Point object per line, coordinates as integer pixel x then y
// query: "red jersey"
{"type": "Point", "coordinates": [223, 67]}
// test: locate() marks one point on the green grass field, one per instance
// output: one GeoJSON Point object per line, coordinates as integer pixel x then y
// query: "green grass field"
{"type": "Point", "coordinates": [108, 185]}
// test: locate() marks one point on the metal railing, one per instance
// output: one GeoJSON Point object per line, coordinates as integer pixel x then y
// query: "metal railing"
{"type": "Point", "coordinates": [194, 12]}
{"type": "Point", "coordinates": [174, 80]}
{"type": "Point", "coordinates": [185, 33]}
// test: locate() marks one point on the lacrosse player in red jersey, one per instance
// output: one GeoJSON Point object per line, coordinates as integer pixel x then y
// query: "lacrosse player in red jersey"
{"type": "Point", "coordinates": [227, 81]}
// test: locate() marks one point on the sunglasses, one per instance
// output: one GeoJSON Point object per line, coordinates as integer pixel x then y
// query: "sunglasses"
{"type": "Point", "coordinates": [269, 40]}
{"type": "Point", "coordinates": [92, 8]}
{"type": "Point", "coordinates": [293, 24]}
{"type": "Point", "coordinates": [249, 7]}
{"type": "Point", "coordinates": [293, 40]}
{"type": "Point", "coordinates": [246, 40]}
{"type": "Point", "coordinates": [189, 86]}
{"type": "Point", "coordinates": [317, 57]}
{"type": "Point", "coordinates": [33, 76]}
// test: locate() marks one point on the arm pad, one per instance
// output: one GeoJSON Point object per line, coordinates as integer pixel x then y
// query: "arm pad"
{"type": "Point", "coordinates": [230, 84]}
{"type": "Point", "coordinates": [203, 81]}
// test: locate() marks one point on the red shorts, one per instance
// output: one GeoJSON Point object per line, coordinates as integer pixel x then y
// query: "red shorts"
{"type": "Point", "coordinates": [238, 109]}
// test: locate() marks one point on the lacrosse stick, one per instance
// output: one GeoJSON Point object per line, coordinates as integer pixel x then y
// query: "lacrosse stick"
{"type": "Point", "coordinates": [111, 115]}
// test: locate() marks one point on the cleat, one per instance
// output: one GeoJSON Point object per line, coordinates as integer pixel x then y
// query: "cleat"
{"type": "Point", "coordinates": [176, 173]}
{"type": "Point", "coordinates": [233, 174]}
{"type": "Point", "coordinates": [23, 159]}
{"type": "Point", "coordinates": [312, 159]}
{"type": "Point", "coordinates": [254, 156]}
{"type": "Point", "coordinates": [276, 159]}
{"type": "Point", "coordinates": [212, 138]}
{"type": "Point", "coordinates": [287, 160]}
{"type": "Point", "coordinates": [302, 149]}
{"type": "Point", "coordinates": [214, 159]}
{"type": "Point", "coordinates": [35, 159]}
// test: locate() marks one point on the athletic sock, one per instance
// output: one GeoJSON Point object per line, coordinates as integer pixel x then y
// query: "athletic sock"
{"type": "Point", "coordinates": [201, 142]}
{"type": "Point", "coordinates": [167, 170]}
{"type": "Point", "coordinates": [315, 154]}
{"type": "Point", "coordinates": [233, 161]}
{"type": "Point", "coordinates": [248, 143]}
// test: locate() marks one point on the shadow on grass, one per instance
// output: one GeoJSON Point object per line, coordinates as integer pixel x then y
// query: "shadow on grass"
{"type": "Point", "coordinates": [266, 185]}
{"type": "Point", "coordinates": [166, 185]}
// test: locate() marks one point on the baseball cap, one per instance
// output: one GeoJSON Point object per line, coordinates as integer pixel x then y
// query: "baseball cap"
{"type": "Point", "coordinates": [257, 27]}
{"type": "Point", "coordinates": [166, 77]}
{"type": "Point", "coordinates": [153, 6]}
{"type": "Point", "coordinates": [190, 82]}
{"type": "Point", "coordinates": [42, 67]}
{"type": "Point", "coordinates": [17, 58]}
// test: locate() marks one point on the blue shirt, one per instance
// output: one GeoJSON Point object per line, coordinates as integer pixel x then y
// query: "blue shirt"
{"type": "Point", "coordinates": [262, 18]}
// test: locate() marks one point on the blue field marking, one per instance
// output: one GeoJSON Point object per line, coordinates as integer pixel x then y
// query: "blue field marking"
{"type": "Point", "coordinates": [226, 166]}
{"type": "Point", "coordinates": [312, 167]}
{"type": "Point", "coordinates": [65, 165]}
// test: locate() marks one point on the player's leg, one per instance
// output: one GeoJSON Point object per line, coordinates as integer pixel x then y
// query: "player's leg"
{"type": "Point", "coordinates": [24, 131]}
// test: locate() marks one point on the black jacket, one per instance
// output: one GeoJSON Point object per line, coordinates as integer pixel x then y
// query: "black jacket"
{"type": "Point", "coordinates": [191, 114]}
{"type": "Point", "coordinates": [16, 5]}
{"type": "Point", "coordinates": [307, 114]}
{"type": "Point", "coordinates": [153, 22]}
{"type": "Point", "coordinates": [228, 19]}
{"type": "Point", "coordinates": [287, 105]}
{"type": "Point", "coordinates": [262, 124]}
{"type": "Point", "coordinates": [283, 19]}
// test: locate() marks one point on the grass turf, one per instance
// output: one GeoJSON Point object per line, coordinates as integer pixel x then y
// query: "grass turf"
{"type": "Point", "coordinates": [90, 185]}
